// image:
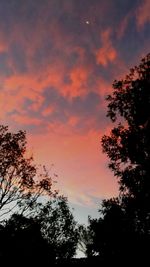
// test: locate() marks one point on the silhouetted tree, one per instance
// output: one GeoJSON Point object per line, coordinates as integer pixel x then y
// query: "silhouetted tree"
{"type": "Point", "coordinates": [20, 182]}
{"type": "Point", "coordinates": [47, 238]}
{"type": "Point", "coordinates": [42, 229]}
{"type": "Point", "coordinates": [124, 227]}
{"type": "Point", "coordinates": [22, 243]}
{"type": "Point", "coordinates": [113, 234]}
{"type": "Point", "coordinates": [128, 145]}
{"type": "Point", "coordinates": [59, 228]}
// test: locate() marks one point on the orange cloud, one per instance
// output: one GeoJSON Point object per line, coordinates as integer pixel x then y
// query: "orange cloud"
{"type": "Point", "coordinates": [103, 88]}
{"type": "Point", "coordinates": [52, 76]}
{"type": "Point", "coordinates": [26, 120]}
{"type": "Point", "coordinates": [143, 13]}
{"type": "Point", "coordinates": [73, 120]}
{"type": "Point", "coordinates": [120, 31]}
{"type": "Point", "coordinates": [3, 47]}
{"type": "Point", "coordinates": [78, 82]}
{"type": "Point", "coordinates": [47, 111]}
{"type": "Point", "coordinates": [107, 53]}
{"type": "Point", "coordinates": [18, 88]}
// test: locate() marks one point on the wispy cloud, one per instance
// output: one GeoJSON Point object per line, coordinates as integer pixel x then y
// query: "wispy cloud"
{"type": "Point", "coordinates": [107, 53]}
{"type": "Point", "coordinates": [143, 13]}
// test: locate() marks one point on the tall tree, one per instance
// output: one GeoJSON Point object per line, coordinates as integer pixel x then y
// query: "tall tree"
{"type": "Point", "coordinates": [128, 145]}
{"type": "Point", "coordinates": [124, 227]}
{"type": "Point", "coordinates": [21, 184]}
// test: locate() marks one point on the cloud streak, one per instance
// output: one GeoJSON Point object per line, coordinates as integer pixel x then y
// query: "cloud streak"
{"type": "Point", "coordinates": [142, 13]}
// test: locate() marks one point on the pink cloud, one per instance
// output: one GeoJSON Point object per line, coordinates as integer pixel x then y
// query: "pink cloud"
{"type": "Point", "coordinates": [73, 121]}
{"type": "Point", "coordinates": [3, 47]}
{"type": "Point", "coordinates": [47, 111]}
{"type": "Point", "coordinates": [78, 82]}
{"type": "Point", "coordinates": [120, 31]}
{"type": "Point", "coordinates": [143, 13]}
{"type": "Point", "coordinates": [107, 53]}
{"type": "Point", "coordinates": [79, 163]}
{"type": "Point", "coordinates": [26, 120]}
{"type": "Point", "coordinates": [18, 88]}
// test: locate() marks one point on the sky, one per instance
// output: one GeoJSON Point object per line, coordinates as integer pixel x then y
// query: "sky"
{"type": "Point", "coordinates": [58, 60]}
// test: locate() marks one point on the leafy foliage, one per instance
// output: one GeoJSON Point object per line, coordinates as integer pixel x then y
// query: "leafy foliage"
{"type": "Point", "coordinates": [122, 232]}
{"type": "Point", "coordinates": [59, 228]}
{"type": "Point", "coordinates": [47, 238]}
{"type": "Point", "coordinates": [20, 183]}
{"type": "Point", "coordinates": [41, 228]}
{"type": "Point", "coordinates": [128, 146]}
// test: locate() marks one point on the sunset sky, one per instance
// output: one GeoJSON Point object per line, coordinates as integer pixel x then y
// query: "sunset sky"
{"type": "Point", "coordinates": [58, 59]}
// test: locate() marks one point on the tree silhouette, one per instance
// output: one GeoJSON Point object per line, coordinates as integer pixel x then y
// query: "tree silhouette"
{"type": "Point", "coordinates": [37, 226]}
{"type": "Point", "coordinates": [124, 227]}
{"type": "Point", "coordinates": [22, 240]}
{"type": "Point", "coordinates": [128, 146]}
{"type": "Point", "coordinates": [50, 237]}
{"type": "Point", "coordinates": [59, 228]}
{"type": "Point", "coordinates": [20, 182]}
{"type": "Point", "coordinates": [113, 234]}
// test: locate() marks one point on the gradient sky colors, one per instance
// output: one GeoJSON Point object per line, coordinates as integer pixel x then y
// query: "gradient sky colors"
{"type": "Point", "coordinates": [55, 71]}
